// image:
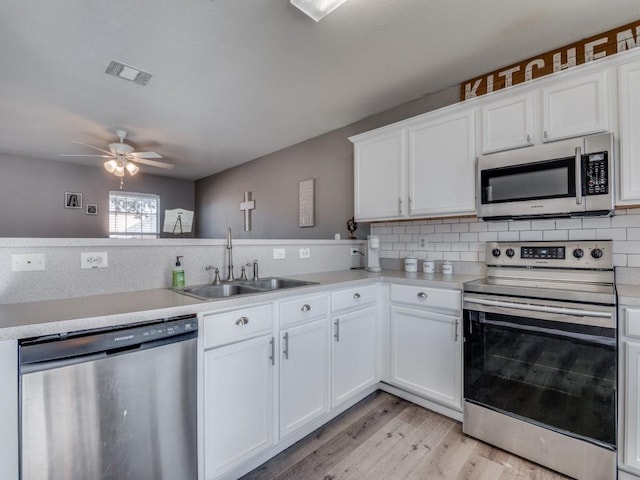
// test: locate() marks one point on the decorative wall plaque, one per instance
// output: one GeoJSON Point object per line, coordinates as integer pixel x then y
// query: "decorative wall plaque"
{"type": "Point", "coordinates": [306, 207]}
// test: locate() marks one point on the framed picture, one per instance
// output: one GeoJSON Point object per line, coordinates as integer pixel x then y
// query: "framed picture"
{"type": "Point", "coordinates": [72, 200]}
{"type": "Point", "coordinates": [307, 196]}
{"type": "Point", "coordinates": [91, 209]}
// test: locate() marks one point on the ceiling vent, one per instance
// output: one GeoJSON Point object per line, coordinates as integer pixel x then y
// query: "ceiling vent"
{"type": "Point", "coordinates": [128, 72]}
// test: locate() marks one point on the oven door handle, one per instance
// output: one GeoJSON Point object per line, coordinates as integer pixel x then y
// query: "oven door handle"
{"type": "Point", "coordinates": [539, 308]}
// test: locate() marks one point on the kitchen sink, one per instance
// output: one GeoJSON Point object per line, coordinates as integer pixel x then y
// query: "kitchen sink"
{"type": "Point", "coordinates": [241, 287]}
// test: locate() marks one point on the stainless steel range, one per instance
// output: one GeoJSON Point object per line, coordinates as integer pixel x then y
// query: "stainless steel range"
{"type": "Point", "coordinates": [540, 355]}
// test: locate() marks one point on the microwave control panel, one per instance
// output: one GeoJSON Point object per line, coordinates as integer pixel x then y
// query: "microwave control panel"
{"type": "Point", "coordinates": [596, 174]}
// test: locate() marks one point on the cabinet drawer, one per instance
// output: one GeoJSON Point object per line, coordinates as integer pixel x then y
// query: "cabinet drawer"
{"type": "Point", "coordinates": [354, 297]}
{"type": "Point", "coordinates": [303, 308]}
{"type": "Point", "coordinates": [237, 325]}
{"type": "Point", "coordinates": [633, 322]}
{"type": "Point", "coordinates": [436, 298]}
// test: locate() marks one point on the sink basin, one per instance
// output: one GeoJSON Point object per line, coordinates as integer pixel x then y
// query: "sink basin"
{"type": "Point", "coordinates": [207, 292]}
{"type": "Point", "coordinates": [242, 287]}
{"type": "Point", "coordinates": [277, 283]}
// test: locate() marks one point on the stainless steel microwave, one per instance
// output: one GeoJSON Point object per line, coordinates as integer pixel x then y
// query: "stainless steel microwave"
{"type": "Point", "coordinates": [569, 178]}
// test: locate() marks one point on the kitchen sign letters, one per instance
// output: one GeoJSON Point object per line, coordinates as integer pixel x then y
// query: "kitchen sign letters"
{"type": "Point", "coordinates": [599, 46]}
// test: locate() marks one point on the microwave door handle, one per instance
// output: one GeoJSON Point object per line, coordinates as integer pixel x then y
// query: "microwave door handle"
{"type": "Point", "coordinates": [489, 192]}
{"type": "Point", "coordinates": [578, 176]}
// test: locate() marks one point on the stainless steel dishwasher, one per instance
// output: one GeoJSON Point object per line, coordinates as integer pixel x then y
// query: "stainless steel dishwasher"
{"type": "Point", "coordinates": [109, 404]}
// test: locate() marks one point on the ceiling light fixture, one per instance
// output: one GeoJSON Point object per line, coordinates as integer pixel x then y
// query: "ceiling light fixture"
{"type": "Point", "coordinates": [317, 9]}
{"type": "Point", "coordinates": [118, 166]}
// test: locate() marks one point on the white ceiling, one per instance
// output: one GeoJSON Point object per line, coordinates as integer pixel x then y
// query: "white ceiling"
{"type": "Point", "coordinates": [236, 79]}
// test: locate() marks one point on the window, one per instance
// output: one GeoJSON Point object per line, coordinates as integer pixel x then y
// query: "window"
{"type": "Point", "coordinates": [133, 215]}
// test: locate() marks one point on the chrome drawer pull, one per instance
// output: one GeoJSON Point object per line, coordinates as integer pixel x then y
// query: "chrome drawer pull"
{"type": "Point", "coordinates": [285, 350]}
{"type": "Point", "coordinates": [242, 321]}
{"type": "Point", "coordinates": [306, 307]}
{"type": "Point", "coordinates": [337, 334]}
{"type": "Point", "coordinates": [422, 295]}
{"type": "Point", "coordinates": [356, 295]}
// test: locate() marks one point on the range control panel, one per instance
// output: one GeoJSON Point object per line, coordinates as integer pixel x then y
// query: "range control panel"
{"type": "Point", "coordinates": [596, 174]}
{"type": "Point", "coordinates": [561, 254]}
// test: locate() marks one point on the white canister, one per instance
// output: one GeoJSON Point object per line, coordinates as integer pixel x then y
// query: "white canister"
{"type": "Point", "coordinates": [429, 266]}
{"type": "Point", "coordinates": [447, 268]}
{"type": "Point", "coordinates": [410, 264]}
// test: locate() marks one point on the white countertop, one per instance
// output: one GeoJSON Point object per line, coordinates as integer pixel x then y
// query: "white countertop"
{"type": "Point", "coordinates": [628, 295]}
{"type": "Point", "coordinates": [32, 319]}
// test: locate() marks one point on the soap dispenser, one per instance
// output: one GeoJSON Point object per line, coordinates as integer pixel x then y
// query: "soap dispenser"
{"type": "Point", "coordinates": [178, 274]}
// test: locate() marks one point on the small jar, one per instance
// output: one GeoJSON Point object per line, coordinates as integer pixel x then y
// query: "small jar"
{"type": "Point", "coordinates": [429, 266]}
{"type": "Point", "coordinates": [410, 264]}
{"type": "Point", "coordinates": [447, 268]}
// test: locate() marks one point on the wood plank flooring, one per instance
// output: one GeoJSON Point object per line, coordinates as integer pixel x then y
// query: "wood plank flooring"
{"type": "Point", "coordinates": [387, 438]}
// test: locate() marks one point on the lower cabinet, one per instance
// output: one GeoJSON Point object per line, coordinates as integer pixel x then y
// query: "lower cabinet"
{"type": "Point", "coordinates": [426, 356]}
{"type": "Point", "coordinates": [629, 392]}
{"type": "Point", "coordinates": [238, 388]}
{"type": "Point", "coordinates": [354, 353]}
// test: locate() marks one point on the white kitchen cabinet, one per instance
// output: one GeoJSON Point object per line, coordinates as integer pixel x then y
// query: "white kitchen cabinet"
{"type": "Point", "coordinates": [422, 167]}
{"type": "Point", "coordinates": [574, 107]}
{"type": "Point", "coordinates": [380, 176]}
{"type": "Point", "coordinates": [354, 353]}
{"type": "Point", "coordinates": [629, 110]}
{"type": "Point", "coordinates": [9, 436]}
{"type": "Point", "coordinates": [425, 343]}
{"type": "Point", "coordinates": [238, 387]}
{"type": "Point", "coordinates": [629, 394]}
{"type": "Point", "coordinates": [442, 164]}
{"type": "Point", "coordinates": [304, 362]}
{"type": "Point", "coordinates": [508, 123]}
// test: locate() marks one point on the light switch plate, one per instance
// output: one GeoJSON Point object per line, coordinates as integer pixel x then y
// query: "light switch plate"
{"type": "Point", "coordinates": [27, 262]}
{"type": "Point", "coordinates": [94, 260]}
{"type": "Point", "coordinates": [279, 253]}
{"type": "Point", "coordinates": [305, 252]}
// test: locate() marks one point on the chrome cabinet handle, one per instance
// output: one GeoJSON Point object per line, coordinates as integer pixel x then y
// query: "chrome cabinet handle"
{"type": "Point", "coordinates": [422, 295]}
{"type": "Point", "coordinates": [242, 321]}
{"type": "Point", "coordinates": [356, 296]}
{"type": "Point", "coordinates": [528, 138]}
{"type": "Point", "coordinates": [455, 332]}
{"type": "Point", "coordinates": [285, 350]}
{"type": "Point", "coordinates": [272, 357]}
{"type": "Point", "coordinates": [306, 307]}
{"type": "Point", "coordinates": [409, 204]}
{"type": "Point", "coordinates": [545, 134]}
{"type": "Point", "coordinates": [337, 334]}
{"type": "Point", "coordinates": [399, 206]}
{"type": "Point", "coordinates": [578, 174]}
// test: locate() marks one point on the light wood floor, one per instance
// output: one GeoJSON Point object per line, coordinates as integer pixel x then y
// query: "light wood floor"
{"type": "Point", "coordinates": [386, 438]}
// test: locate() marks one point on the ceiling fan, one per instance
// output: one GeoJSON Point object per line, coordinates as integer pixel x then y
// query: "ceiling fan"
{"type": "Point", "coordinates": [122, 157]}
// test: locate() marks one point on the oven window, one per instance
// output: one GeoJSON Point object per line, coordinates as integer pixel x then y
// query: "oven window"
{"type": "Point", "coordinates": [543, 372]}
{"type": "Point", "coordinates": [536, 181]}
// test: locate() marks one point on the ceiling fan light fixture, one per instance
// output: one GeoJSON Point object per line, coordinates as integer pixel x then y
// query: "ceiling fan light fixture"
{"type": "Point", "coordinates": [131, 168]}
{"type": "Point", "coordinates": [317, 9]}
{"type": "Point", "coordinates": [110, 166]}
{"type": "Point", "coordinates": [119, 171]}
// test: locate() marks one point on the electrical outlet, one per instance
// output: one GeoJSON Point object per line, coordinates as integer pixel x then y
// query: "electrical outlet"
{"type": "Point", "coordinates": [27, 262]}
{"type": "Point", "coordinates": [279, 253]}
{"type": "Point", "coordinates": [305, 252]}
{"type": "Point", "coordinates": [355, 251]}
{"type": "Point", "coordinates": [94, 260]}
{"type": "Point", "coordinates": [423, 242]}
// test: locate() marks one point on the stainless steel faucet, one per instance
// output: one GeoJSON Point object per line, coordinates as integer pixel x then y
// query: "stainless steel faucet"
{"type": "Point", "coordinates": [229, 257]}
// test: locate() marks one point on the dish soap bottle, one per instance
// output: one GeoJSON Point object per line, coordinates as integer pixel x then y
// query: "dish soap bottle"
{"type": "Point", "coordinates": [178, 274]}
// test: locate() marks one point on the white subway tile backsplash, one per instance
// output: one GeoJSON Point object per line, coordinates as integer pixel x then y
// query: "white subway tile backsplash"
{"type": "Point", "coordinates": [463, 239]}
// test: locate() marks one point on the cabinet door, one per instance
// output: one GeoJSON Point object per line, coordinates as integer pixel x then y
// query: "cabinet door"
{"type": "Point", "coordinates": [354, 353]}
{"type": "Point", "coordinates": [442, 165]}
{"type": "Point", "coordinates": [426, 355]}
{"type": "Point", "coordinates": [632, 404]}
{"type": "Point", "coordinates": [575, 107]}
{"type": "Point", "coordinates": [379, 177]}
{"type": "Point", "coordinates": [508, 124]}
{"type": "Point", "coordinates": [304, 374]}
{"type": "Point", "coordinates": [238, 403]}
{"type": "Point", "coordinates": [629, 80]}
{"type": "Point", "coordinates": [9, 436]}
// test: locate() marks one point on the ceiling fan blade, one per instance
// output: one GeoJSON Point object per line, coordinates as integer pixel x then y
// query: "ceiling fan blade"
{"type": "Point", "coordinates": [95, 148]}
{"type": "Point", "coordinates": [137, 155]}
{"type": "Point", "coordinates": [83, 155]}
{"type": "Point", "coordinates": [153, 163]}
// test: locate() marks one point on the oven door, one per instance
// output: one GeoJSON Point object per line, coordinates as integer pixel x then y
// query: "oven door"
{"type": "Point", "coordinates": [551, 365]}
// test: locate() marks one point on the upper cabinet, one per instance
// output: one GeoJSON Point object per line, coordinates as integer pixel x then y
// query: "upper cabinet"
{"type": "Point", "coordinates": [508, 123]}
{"type": "Point", "coordinates": [629, 108]}
{"type": "Point", "coordinates": [424, 167]}
{"type": "Point", "coordinates": [574, 107]}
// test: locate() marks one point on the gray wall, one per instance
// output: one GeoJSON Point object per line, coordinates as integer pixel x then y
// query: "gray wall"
{"type": "Point", "coordinates": [32, 197]}
{"type": "Point", "coordinates": [273, 181]}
